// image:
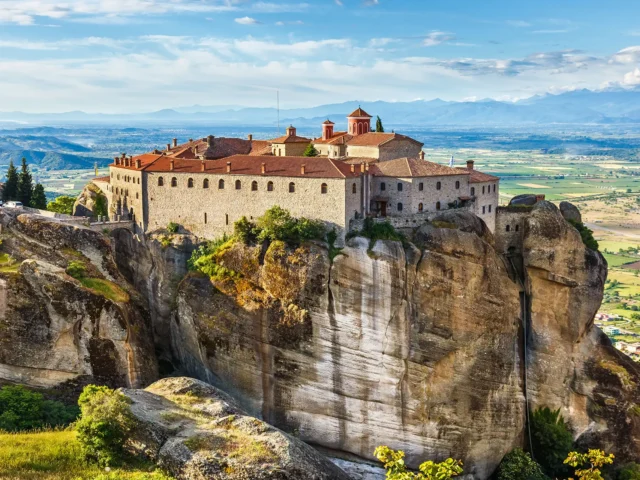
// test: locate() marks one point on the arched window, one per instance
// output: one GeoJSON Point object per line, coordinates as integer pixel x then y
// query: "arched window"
{"type": "Point", "coordinates": [292, 187]}
{"type": "Point", "coordinates": [508, 228]}
{"type": "Point", "coordinates": [399, 207]}
{"type": "Point", "coordinates": [221, 184]}
{"type": "Point", "coordinates": [439, 186]}
{"type": "Point", "coordinates": [354, 188]}
{"type": "Point", "coordinates": [323, 188]}
{"type": "Point", "coordinates": [174, 182]}
{"type": "Point", "coordinates": [420, 207]}
{"type": "Point", "coordinates": [399, 187]}
{"type": "Point", "coordinates": [457, 184]}
{"type": "Point", "coordinates": [205, 183]}
{"type": "Point", "coordinates": [254, 186]}
{"type": "Point", "coordinates": [160, 181]}
{"type": "Point", "coordinates": [483, 190]}
{"type": "Point", "coordinates": [190, 183]}
{"type": "Point", "coordinates": [437, 205]}
{"type": "Point", "coordinates": [421, 186]}
{"type": "Point", "coordinates": [383, 187]}
{"type": "Point", "coordinates": [117, 191]}
{"type": "Point", "coordinates": [238, 184]}
{"type": "Point", "coordinates": [118, 176]}
{"type": "Point", "coordinates": [473, 191]}
{"type": "Point", "coordinates": [270, 187]}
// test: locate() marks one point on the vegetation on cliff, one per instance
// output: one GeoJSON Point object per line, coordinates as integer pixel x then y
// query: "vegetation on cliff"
{"type": "Point", "coordinates": [397, 469]}
{"type": "Point", "coordinates": [99, 286]}
{"type": "Point", "coordinates": [22, 409]}
{"type": "Point", "coordinates": [62, 204]}
{"type": "Point", "coordinates": [551, 441]}
{"type": "Point", "coordinates": [586, 233]}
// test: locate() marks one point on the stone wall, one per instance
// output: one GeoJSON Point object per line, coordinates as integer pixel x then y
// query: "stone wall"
{"type": "Point", "coordinates": [361, 151]}
{"type": "Point", "coordinates": [486, 201]}
{"type": "Point", "coordinates": [288, 149]}
{"type": "Point", "coordinates": [399, 148]}
{"type": "Point", "coordinates": [509, 228]}
{"type": "Point", "coordinates": [212, 212]}
{"type": "Point", "coordinates": [126, 194]}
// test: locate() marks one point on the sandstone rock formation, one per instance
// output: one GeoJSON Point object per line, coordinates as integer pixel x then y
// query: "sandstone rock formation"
{"type": "Point", "coordinates": [87, 201]}
{"type": "Point", "coordinates": [58, 329]}
{"type": "Point", "coordinates": [195, 431]}
{"type": "Point", "coordinates": [570, 212]}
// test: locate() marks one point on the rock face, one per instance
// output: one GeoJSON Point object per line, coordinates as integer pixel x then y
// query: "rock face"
{"type": "Point", "coordinates": [57, 329]}
{"type": "Point", "coordinates": [524, 199]}
{"type": "Point", "coordinates": [87, 201]}
{"type": "Point", "coordinates": [195, 431]}
{"type": "Point", "coordinates": [570, 212]}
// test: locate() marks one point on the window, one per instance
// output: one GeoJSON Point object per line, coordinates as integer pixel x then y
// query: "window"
{"type": "Point", "coordinates": [254, 186]}
{"type": "Point", "coordinates": [117, 191]}
{"type": "Point", "coordinates": [508, 228]}
{"type": "Point", "coordinates": [457, 185]}
{"type": "Point", "coordinates": [118, 176]}
{"type": "Point", "coordinates": [489, 208]}
{"type": "Point", "coordinates": [421, 186]}
{"type": "Point", "coordinates": [238, 184]}
{"type": "Point", "coordinates": [270, 187]}
{"type": "Point", "coordinates": [292, 187]}
{"type": "Point", "coordinates": [437, 205]}
{"type": "Point", "coordinates": [383, 187]}
{"type": "Point", "coordinates": [399, 207]}
{"type": "Point", "coordinates": [205, 218]}
{"type": "Point", "coordinates": [494, 188]}
{"type": "Point", "coordinates": [226, 219]}
{"type": "Point", "coordinates": [160, 181]}
{"type": "Point", "coordinates": [205, 183]}
{"type": "Point", "coordinates": [354, 188]}
{"type": "Point", "coordinates": [136, 195]}
{"type": "Point", "coordinates": [420, 206]}
{"type": "Point", "coordinates": [484, 209]}
{"type": "Point", "coordinates": [439, 186]}
{"type": "Point", "coordinates": [517, 227]}
{"type": "Point", "coordinates": [399, 187]}
{"type": "Point", "coordinates": [323, 188]}
{"type": "Point", "coordinates": [174, 182]}
{"type": "Point", "coordinates": [221, 184]}
{"type": "Point", "coordinates": [473, 191]}
{"type": "Point", "coordinates": [190, 183]}
{"type": "Point", "coordinates": [483, 190]}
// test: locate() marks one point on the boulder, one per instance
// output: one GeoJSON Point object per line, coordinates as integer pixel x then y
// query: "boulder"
{"type": "Point", "coordinates": [87, 200]}
{"type": "Point", "coordinates": [195, 431]}
{"type": "Point", "coordinates": [524, 199]}
{"type": "Point", "coordinates": [570, 212]}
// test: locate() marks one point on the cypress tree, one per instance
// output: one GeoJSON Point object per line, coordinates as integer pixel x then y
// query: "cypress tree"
{"type": "Point", "coordinates": [310, 151]}
{"type": "Point", "coordinates": [39, 199]}
{"type": "Point", "coordinates": [10, 190]}
{"type": "Point", "coordinates": [25, 184]}
{"type": "Point", "coordinates": [379, 127]}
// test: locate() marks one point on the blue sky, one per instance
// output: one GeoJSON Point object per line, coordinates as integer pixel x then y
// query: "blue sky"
{"type": "Point", "coordinates": [144, 55]}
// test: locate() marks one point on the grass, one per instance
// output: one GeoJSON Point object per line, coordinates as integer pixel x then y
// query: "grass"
{"type": "Point", "coordinates": [618, 260]}
{"type": "Point", "coordinates": [56, 455]}
{"type": "Point", "coordinates": [105, 288]}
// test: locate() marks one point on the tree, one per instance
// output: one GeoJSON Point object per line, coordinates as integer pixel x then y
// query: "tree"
{"type": "Point", "coordinates": [397, 470]}
{"type": "Point", "coordinates": [105, 424]}
{"type": "Point", "coordinates": [25, 184]}
{"type": "Point", "coordinates": [379, 127]}
{"type": "Point", "coordinates": [39, 199]}
{"type": "Point", "coordinates": [551, 441]}
{"type": "Point", "coordinates": [10, 190]}
{"type": "Point", "coordinates": [100, 206]}
{"type": "Point", "coordinates": [518, 465]}
{"type": "Point", "coordinates": [310, 151]}
{"type": "Point", "coordinates": [62, 204]}
{"type": "Point", "coordinates": [594, 460]}
{"type": "Point", "coordinates": [22, 409]}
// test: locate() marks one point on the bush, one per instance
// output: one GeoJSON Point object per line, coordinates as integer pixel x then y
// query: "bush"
{"type": "Point", "coordinates": [630, 471]}
{"type": "Point", "coordinates": [105, 424]}
{"type": "Point", "coordinates": [76, 269]}
{"type": "Point", "coordinates": [375, 231]}
{"type": "Point", "coordinates": [62, 204]}
{"type": "Point", "coordinates": [278, 224]}
{"type": "Point", "coordinates": [172, 227]}
{"type": "Point", "coordinates": [206, 259]}
{"type": "Point", "coordinates": [21, 409]}
{"type": "Point", "coordinates": [551, 441]}
{"type": "Point", "coordinates": [518, 465]}
{"type": "Point", "coordinates": [100, 206]}
{"type": "Point", "coordinates": [245, 231]}
{"type": "Point", "coordinates": [429, 470]}
{"type": "Point", "coordinates": [594, 460]}
{"type": "Point", "coordinates": [587, 235]}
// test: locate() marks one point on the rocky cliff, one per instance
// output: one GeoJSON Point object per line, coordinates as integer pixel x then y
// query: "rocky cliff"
{"type": "Point", "coordinates": [58, 329]}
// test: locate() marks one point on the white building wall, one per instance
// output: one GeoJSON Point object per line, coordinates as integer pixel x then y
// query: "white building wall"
{"type": "Point", "coordinates": [486, 202]}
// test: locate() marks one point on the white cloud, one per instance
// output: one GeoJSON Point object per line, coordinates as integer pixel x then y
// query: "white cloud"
{"type": "Point", "coordinates": [339, 2]}
{"type": "Point", "coordinates": [627, 55]}
{"type": "Point", "coordinates": [518, 23]}
{"type": "Point", "coordinates": [381, 42]}
{"type": "Point", "coordinates": [437, 38]}
{"type": "Point", "coordinates": [632, 78]}
{"type": "Point", "coordinates": [64, 44]}
{"type": "Point", "coordinates": [247, 21]}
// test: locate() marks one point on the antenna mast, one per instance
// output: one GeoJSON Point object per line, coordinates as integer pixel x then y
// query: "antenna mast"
{"type": "Point", "coordinates": [278, 97]}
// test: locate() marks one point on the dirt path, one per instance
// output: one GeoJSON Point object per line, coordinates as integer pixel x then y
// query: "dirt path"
{"type": "Point", "coordinates": [595, 227]}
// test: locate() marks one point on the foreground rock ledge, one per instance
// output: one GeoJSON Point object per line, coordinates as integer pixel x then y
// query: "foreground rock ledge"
{"type": "Point", "coordinates": [195, 431]}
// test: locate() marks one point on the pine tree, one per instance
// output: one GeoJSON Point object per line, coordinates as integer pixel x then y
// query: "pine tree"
{"type": "Point", "coordinates": [310, 151]}
{"type": "Point", "coordinates": [39, 199]}
{"type": "Point", "coordinates": [10, 190]}
{"type": "Point", "coordinates": [25, 184]}
{"type": "Point", "coordinates": [379, 127]}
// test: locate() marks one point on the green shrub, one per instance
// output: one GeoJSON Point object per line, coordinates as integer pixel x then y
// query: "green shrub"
{"type": "Point", "coordinates": [100, 206]}
{"type": "Point", "coordinates": [518, 465]}
{"type": "Point", "coordinates": [105, 424]}
{"type": "Point", "coordinates": [76, 269]}
{"type": "Point", "coordinates": [551, 441]}
{"type": "Point", "coordinates": [245, 231]}
{"type": "Point", "coordinates": [62, 204]}
{"type": "Point", "coordinates": [206, 259]}
{"type": "Point", "coordinates": [172, 227]}
{"type": "Point", "coordinates": [630, 471]}
{"type": "Point", "coordinates": [21, 409]}
{"type": "Point", "coordinates": [375, 231]}
{"type": "Point", "coordinates": [587, 235]}
{"type": "Point", "coordinates": [397, 470]}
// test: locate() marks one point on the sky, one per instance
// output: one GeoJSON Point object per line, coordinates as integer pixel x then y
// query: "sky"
{"type": "Point", "coordinates": [120, 56]}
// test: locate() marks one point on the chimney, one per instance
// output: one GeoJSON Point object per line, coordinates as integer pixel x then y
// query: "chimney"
{"type": "Point", "coordinates": [228, 167]}
{"type": "Point", "coordinates": [175, 142]}
{"type": "Point", "coordinates": [250, 137]}
{"type": "Point", "coordinates": [362, 167]}
{"type": "Point", "coordinates": [202, 166]}
{"type": "Point", "coordinates": [123, 156]}
{"type": "Point", "coordinates": [366, 167]}
{"type": "Point", "coordinates": [116, 160]}
{"type": "Point", "coordinates": [263, 168]}
{"type": "Point", "coordinates": [421, 155]}
{"type": "Point", "coordinates": [138, 163]}
{"type": "Point", "coordinates": [168, 147]}
{"type": "Point", "coordinates": [302, 168]}
{"type": "Point", "coordinates": [470, 164]}
{"type": "Point", "coordinates": [171, 164]}
{"type": "Point", "coordinates": [126, 162]}
{"type": "Point", "coordinates": [190, 140]}
{"type": "Point", "coordinates": [353, 168]}
{"type": "Point", "coordinates": [210, 141]}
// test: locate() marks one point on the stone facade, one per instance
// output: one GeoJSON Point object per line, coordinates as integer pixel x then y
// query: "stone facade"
{"type": "Point", "coordinates": [126, 198]}
{"type": "Point", "coordinates": [510, 228]}
{"type": "Point", "coordinates": [486, 198]}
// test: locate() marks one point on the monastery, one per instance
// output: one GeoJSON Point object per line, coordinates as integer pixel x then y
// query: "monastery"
{"type": "Point", "coordinates": [206, 185]}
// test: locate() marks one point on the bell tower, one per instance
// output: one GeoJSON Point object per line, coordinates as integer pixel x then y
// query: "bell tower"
{"type": "Point", "coordinates": [359, 122]}
{"type": "Point", "coordinates": [327, 129]}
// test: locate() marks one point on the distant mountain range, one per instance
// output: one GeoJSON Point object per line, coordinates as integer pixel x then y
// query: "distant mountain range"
{"type": "Point", "coordinates": [610, 106]}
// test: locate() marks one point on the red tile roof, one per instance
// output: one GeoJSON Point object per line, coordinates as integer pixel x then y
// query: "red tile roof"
{"type": "Point", "coordinates": [145, 159]}
{"type": "Point", "coordinates": [411, 167]}
{"type": "Point", "coordinates": [222, 147]}
{"type": "Point", "coordinates": [328, 122]}
{"type": "Point", "coordinates": [106, 179]}
{"type": "Point", "coordinates": [359, 112]}
{"type": "Point", "coordinates": [291, 139]}
{"type": "Point", "coordinates": [318, 167]}
{"type": "Point", "coordinates": [479, 177]}
{"type": "Point", "coordinates": [374, 139]}
{"type": "Point", "coordinates": [338, 138]}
